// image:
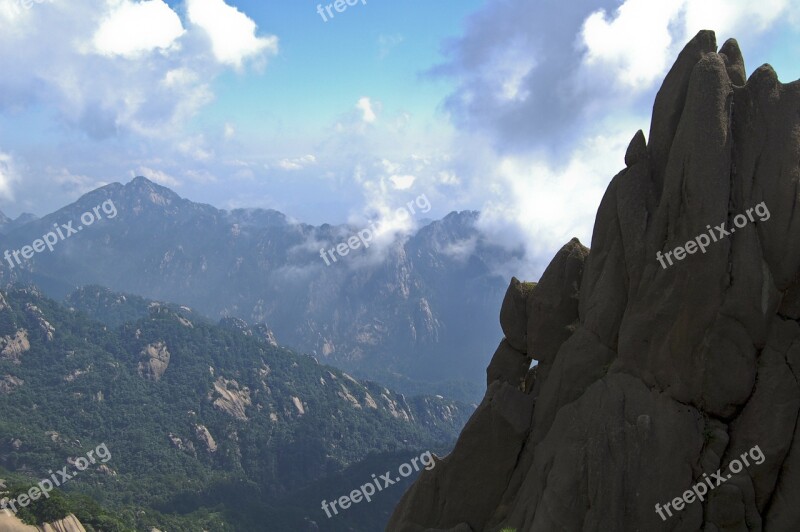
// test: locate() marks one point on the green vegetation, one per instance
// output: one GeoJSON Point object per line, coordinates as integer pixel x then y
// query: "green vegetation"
{"type": "Point", "coordinates": [81, 386]}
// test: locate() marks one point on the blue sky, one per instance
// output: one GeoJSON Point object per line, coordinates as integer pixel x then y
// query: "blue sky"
{"type": "Point", "coordinates": [521, 109]}
{"type": "Point", "coordinates": [380, 49]}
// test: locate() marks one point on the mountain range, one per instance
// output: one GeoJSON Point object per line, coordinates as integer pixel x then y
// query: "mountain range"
{"type": "Point", "coordinates": [415, 313]}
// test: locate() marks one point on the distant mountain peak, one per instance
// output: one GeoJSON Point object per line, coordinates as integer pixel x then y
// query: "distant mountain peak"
{"type": "Point", "coordinates": [140, 181]}
{"type": "Point", "coordinates": [7, 224]}
{"type": "Point", "coordinates": [142, 184]}
{"type": "Point", "coordinates": [142, 191]}
{"type": "Point", "coordinates": [25, 217]}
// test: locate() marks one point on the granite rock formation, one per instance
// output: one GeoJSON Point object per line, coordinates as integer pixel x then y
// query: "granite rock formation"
{"type": "Point", "coordinates": [10, 523]}
{"type": "Point", "coordinates": [651, 377]}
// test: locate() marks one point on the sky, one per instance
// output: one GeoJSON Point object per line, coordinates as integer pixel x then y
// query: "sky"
{"type": "Point", "coordinates": [521, 109]}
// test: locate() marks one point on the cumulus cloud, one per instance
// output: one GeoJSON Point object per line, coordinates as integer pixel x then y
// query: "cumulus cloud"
{"type": "Point", "coordinates": [608, 40]}
{"type": "Point", "coordinates": [133, 28]}
{"type": "Point", "coordinates": [513, 68]}
{"type": "Point", "coordinates": [660, 29]}
{"type": "Point", "coordinates": [365, 106]}
{"type": "Point", "coordinates": [532, 74]}
{"type": "Point", "coordinates": [232, 33]}
{"type": "Point", "coordinates": [548, 95]}
{"type": "Point", "coordinates": [116, 67]}
{"type": "Point", "coordinates": [544, 205]}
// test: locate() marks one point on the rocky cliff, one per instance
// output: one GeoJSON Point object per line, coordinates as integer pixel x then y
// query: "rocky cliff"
{"type": "Point", "coordinates": [668, 354]}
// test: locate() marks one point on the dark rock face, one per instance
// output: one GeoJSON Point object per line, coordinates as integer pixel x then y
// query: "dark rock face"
{"type": "Point", "coordinates": [653, 376]}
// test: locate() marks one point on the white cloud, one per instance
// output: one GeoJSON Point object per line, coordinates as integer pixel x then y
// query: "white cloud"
{"type": "Point", "coordinates": [542, 205]}
{"type": "Point", "coordinates": [8, 175]}
{"type": "Point", "coordinates": [365, 106]}
{"type": "Point", "coordinates": [461, 250]}
{"type": "Point", "coordinates": [114, 67]}
{"type": "Point", "coordinates": [232, 33]}
{"type": "Point", "coordinates": [402, 182]}
{"type": "Point", "coordinates": [638, 43]}
{"type": "Point", "coordinates": [297, 163]}
{"type": "Point", "coordinates": [74, 183]}
{"type": "Point", "coordinates": [735, 17]}
{"type": "Point", "coordinates": [133, 28]}
{"type": "Point", "coordinates": [610, 41]}
{"type": "Point", "coordinates": [548, 95]}
{"type": "Point", "coordinates": [179, 78]}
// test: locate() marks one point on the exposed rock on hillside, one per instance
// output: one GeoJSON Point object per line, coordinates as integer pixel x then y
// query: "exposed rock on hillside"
{"type": "Point", "coordinates": [12, 347]}
{"type": "Point", "coordinates": [10, 523]}
{"type": "Point", "coordinates": [205, 438]}
{"type": "Point", "coordinates": [231, 398]}
{"type": "Point", "coordinates": [154, 361]}
{"type": "Point", "coordinates": [9, 383]}
{"type": "Point", "coordinates": [652, 376]}
{"type": "Point", "coordinates": [36, 313]}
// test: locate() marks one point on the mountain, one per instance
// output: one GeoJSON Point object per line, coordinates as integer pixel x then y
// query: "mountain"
{"type": "Point", "coordinates": [389, 312]}
{"type": "Point", "coordinates": [666, 395]}
{"type": "Point", "coordinates": [7, 224]}
{"type": "Point", "coordinates": [204, 426]}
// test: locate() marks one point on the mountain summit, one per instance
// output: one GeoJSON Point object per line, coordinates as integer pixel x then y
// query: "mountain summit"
{"type": "Point", "coordinates": [666, 393]}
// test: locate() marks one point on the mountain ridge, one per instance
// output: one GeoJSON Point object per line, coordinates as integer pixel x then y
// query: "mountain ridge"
{"type": "Point", "coordinates": [380, 313]}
